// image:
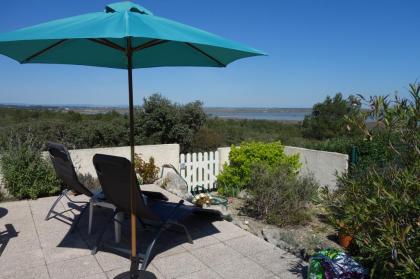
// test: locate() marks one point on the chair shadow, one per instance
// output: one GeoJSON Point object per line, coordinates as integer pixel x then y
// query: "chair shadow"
{"type": "Point", "coordinates": [3, 212]}
{"type": "Point", "coordinates": [300, 269]}
{"type": "Point", "coordinates": [6, 235]}
{"type": "Point", "coordinates": [198, 225]}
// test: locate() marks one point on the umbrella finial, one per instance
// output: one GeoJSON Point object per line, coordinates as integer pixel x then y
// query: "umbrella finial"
{"type": "Point", "coordinates": [127, 6]}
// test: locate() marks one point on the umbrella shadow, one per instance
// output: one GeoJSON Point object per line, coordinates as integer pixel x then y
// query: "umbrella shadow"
{"type": "Point", "coordinates": [6, 235]}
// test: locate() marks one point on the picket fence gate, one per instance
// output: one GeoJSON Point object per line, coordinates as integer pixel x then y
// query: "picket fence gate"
{"type": "Point", "coordinates": [200, 169]}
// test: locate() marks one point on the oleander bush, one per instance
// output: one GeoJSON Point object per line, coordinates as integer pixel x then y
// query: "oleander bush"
{"type": "Point", "coordinates": [237, 175]}
{"type": "Point", "coordinates": [280, 198]}
{"type": "Point", "coordinates": [26, 174]}
{"type": "Point", "coordinates": [378, 202]}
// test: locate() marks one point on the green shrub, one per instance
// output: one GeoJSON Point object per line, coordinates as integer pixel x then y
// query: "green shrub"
{"type": "Point", "coordinates": [378, 202]}
{"type": "Point", "coordinates": [148, 171]}
{"type": "Point", "coordinates": [161, 121]}
{"type": "Point", "coordinates": [26, 174]}
{"type": "Point", "coordinates": [280, 198]}
{"type": "Point", "coordinates": [235, 131]}
{"type": "Point", "coordinates": [237, 175]}
{"type": "Point", "coordinates": [380, 209]}
{"type": "Point", "coordinates": [206, 139]}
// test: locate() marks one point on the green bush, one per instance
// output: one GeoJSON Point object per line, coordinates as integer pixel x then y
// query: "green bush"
{"type": "Point", "coordinates": [380, 209]}
{"type": "Point", "coordinates": [235, 131]}
{"type": "Point", "coordinates": [26, 174]}
{"type": "Point", "coordinates": [161, 121]}
{"type": "Point", "coordinates": [280, 198]}
{"type": "Point", "coordinates": [237, 175]}
{"type": "Point", "coordinates": [206, 139]}
{"type": "Point", "coordinates": [378, 202]}
{"type": "Point", "coordinates": [148, 171]}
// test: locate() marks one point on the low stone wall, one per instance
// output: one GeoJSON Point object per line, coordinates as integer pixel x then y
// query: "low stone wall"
{"type": "Point", "coordinates": [162, 153]}
{"type": "Point", "coordinates": [322, 164]}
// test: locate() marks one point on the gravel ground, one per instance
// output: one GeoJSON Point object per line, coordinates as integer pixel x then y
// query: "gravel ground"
{"type": "Point", "coordinates": [303, 241]}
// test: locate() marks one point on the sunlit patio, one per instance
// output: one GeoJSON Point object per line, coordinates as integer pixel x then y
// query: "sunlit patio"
{"type": "Point", "coordinates": [31, 247]}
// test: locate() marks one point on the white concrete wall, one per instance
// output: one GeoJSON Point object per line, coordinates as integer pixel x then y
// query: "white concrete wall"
{"type": "Point", "coordinates": [322, 164]}
{"type": "Point", "coordinates": [162, 153]}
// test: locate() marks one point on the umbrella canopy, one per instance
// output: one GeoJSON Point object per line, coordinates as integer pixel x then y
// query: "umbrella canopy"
{"type": "Point", "coordinates": [125, 36]}
{"type": "Point", "coordinates": [99, 39]}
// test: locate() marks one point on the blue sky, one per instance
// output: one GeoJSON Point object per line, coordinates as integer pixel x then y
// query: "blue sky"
{"type": "Point", "coordinates": [316, 48]}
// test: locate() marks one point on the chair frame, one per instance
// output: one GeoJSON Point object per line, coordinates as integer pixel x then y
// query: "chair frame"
{"type": "Point", "coordinates": [160, 227]}
{"type": "Point", "coordinates": [143, 258]}
{"type": "Point", "coordinates": [94, 199]}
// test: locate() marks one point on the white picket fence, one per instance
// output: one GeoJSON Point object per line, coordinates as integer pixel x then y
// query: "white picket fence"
{"type": "Point", "coordinates": [200, 169]}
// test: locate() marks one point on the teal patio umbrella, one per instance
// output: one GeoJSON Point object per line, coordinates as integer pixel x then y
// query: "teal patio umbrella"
{"type": "Point", "coordinates": [124, 36]}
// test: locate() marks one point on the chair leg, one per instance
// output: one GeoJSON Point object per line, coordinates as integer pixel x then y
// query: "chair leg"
{"type": "Point", "coordinates": [149, 250]}
{"type": "Point", "coordinates": [119, 219]}
{"type": "Point", "coordinates": [99, 239]}
{"type": "Point", "coordinates": [187, 233]}
{"type": "Point", "coordinates": [91, 207]}
{"type": "Point", "coordinates": [51, 211]}
{"type": "Point", "coordinates": [151, 246]}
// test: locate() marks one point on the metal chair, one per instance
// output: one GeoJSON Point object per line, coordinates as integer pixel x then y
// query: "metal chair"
{"type": "Point", "coordinates": [114, 176]}
{"type": "Point", "coordinates": [64, 169]}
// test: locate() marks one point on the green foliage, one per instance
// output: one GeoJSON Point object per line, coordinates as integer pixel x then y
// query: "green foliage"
{"type": "Point", "coordinates": [206, 139]}
{"type": "Point", "coordinates": [225, 132]}
{"type": "Point", "coordinates": [161, 121]}
{"type": "Point", "coordinates": [279, 197]}
{"type": "Point", "coordinates": [328, 118]}
{"type": "Point", "coordinates": [26, 174]}
{"type": "Point", "coordinates": [94, 131]}
{"type": "Point", "coordinates": [379, 201]}
{"type": "Point", "coordinates": [237, 175]}
{"type": "Point", "coordinates": [148, 171]}
{"type": "Point", "coordinates": [381, 210]}
{"type": "Point", "coordinates": [157, 121]}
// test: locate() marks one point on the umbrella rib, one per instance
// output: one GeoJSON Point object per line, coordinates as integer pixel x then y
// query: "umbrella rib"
{"type": "Point", "coordinates": [43, 51]}
{"type": "Point", "coordinates": [149, 44]}
{"type": "Point", "coordinates": [205, 54]}
{"type": "Point", "coordinates": [108, 43]}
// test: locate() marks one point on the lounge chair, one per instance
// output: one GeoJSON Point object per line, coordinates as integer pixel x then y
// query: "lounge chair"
{"type": "Point", "coordinates": [64, 169]}
{"type": "Point", "coordinates": [114, 176]}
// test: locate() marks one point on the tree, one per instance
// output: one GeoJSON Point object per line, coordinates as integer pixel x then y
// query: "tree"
{"type": "Point", "coordinates": [161, 121]}
{"type": "Point", "coordinates": [328, 119]}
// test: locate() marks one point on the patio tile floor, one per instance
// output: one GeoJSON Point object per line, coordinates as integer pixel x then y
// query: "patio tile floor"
{"type": "Point", "coordinates": [31, 247]}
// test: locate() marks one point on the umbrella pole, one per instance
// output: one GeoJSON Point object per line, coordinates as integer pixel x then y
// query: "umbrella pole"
{"type": "Point", "coordinates": [134, 258]}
